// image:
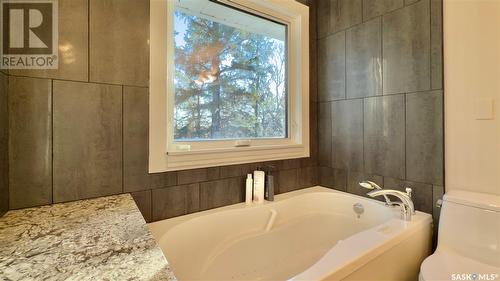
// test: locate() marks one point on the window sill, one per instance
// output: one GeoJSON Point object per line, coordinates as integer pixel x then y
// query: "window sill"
{"type": "Point", "coordinates": [184, 160]}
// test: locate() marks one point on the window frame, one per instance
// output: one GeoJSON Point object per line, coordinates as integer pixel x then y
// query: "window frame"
{"type": "Point", "coordinates": [166, 154]}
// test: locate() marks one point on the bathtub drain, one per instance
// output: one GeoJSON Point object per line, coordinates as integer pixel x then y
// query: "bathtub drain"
{"type": "Point", "coordinates": [359, 209]}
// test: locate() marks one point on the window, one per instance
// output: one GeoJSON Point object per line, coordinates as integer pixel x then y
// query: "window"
{"type": "Point", "coordinates": [229, 82]}
{"type": "Point", "coordinates": [230, 75]}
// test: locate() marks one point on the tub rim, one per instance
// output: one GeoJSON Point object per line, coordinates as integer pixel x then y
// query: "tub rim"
{"type": "Point", "coordinates": [378, 243]}
{"type": "Point", "coordinates": [171, 222]}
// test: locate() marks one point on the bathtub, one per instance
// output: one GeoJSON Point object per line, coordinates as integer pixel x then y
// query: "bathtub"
{"type": "Point", "coordinates": [310, 234]}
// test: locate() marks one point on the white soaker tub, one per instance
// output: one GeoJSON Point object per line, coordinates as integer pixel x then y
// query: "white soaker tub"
{"type": "Point", "coordinates": [310, 234]}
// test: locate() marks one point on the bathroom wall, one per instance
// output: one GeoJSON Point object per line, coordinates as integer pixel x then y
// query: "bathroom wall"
{"type": "Point", "coordinates": [472, 72]}
{"type": "Point", "coordinates": [4, 145]}
{"type": "Point", "coordinates": [380, 96]}
{"type": "Point", "coordinates": [82, 131]}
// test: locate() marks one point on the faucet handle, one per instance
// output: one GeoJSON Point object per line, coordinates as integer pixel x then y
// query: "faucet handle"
{"type": "Point", "coordinates": [439, 203]}
{"type": "Point", "coordinates": [408, 191]}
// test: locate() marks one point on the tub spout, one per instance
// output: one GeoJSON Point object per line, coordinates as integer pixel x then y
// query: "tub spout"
{"type": "Point", "coordinates": [406, 204]}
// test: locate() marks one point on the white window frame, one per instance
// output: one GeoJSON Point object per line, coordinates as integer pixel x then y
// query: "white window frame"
{"type": "Point", "coordinates": [167, 155]}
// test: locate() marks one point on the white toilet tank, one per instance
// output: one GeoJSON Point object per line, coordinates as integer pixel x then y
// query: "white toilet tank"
{"type": "Point", "coordinates": [470, 226]}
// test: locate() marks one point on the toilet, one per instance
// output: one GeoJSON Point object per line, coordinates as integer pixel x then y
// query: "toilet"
{"type": "Point", "coordinates": [468, 241]}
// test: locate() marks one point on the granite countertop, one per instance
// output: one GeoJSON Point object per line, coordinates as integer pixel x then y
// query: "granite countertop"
{"type": "Point", "coordinates": [96, 239]}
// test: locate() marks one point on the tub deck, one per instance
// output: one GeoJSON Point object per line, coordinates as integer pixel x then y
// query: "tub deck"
{"type": "Point", "coordinates": [310, 234]}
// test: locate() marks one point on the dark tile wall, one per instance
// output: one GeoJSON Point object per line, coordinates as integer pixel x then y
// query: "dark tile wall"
{"type": "Point", "coordinates": [30, 141]}
{"type": "Point", "coordinates": [82, 131]}
{"type": "Point", "coordinates": [4, 144]}
{"type": "Point", "coordinates": [380, 98]}
{"type": "Point", "coordinates": [87, 159]}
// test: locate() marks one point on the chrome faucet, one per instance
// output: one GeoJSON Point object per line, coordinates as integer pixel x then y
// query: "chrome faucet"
{"type": "Point", "coordinates": [406, 204]}
{"type": "Point", "coordinates": [372, 185]}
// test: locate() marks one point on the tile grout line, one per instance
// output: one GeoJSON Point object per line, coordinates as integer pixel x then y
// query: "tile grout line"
{"type": "Point", "coordinates": [441, 50]}
{"type": "Point", "coordinates": [8, 137]}
{"type": "Point", "coordinates": [405, 123]}
{"type": "Point", "coordinates": [345, 64]}
{"type": "Point", "coordinates": [430, 45]}
{"type": "Point", "coordinates": [363, 133]}
{"type": "Point", "coordinates": [52, 136]}
{"type": "Point", "coordinates": [388, 95]}
{"type": "Point", "coordinates": [382, 53]}
{"type": "Point", "coordinates": [362, 9]}
{"type": "Point", "coordinates": [88, 41]}
{"type": "Point", "coordinates": [185, 194]}
{"type": "Point", "coordinates": [151, 205]}
{"type": "Point", "coordinates": [331, 135]}
{"type": "Point", "coordinates": [123, 133]}
{"type": "Point", "coordinates": [77, 81]}
{"type": "Point", "coordinates": [369, 19]}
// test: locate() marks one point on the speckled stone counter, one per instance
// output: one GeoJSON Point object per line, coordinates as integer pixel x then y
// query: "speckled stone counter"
{"type": "Point", "coordinates": [97, 239]}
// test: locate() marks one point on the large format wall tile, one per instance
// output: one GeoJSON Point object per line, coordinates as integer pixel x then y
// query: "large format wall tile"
{"type": "Point", "coordinates": [235, 171]}
{"type": "Point", "coordinates": [384, 136]}
{"type": "Point", "coordinates": [308, 177]}
{"type": "Point", "coordinates": [406, 49]}
{"type": "Point", "coordinates": [175, 201]}
{"type": "Point", "coordinates": [95, 152]}
{"type": "Point", "coordinates": [87, 140]}
{"type": "Point", "coordinates": [73, 44]}
{"type": "Point", "coordinates": [375, 8]}
{"type": "Point", "coordinates": [221, 193]}
{"type": "Point", "coordinates": [135, 138]}
{"type": "Point", "coordinates": [325, 134]}
{"type": "Point", "coordinates": [313, 133]}
{"type": "Point", "coordinates": [364, 60]}
{"type": "Point", "coordinates": [143, 201]}
{"type": "Point", "coordinates": [198, 175]}
{"type": "Point", "coordinates": [424, 137]}
{"type": "Point", "coordinates": [333, 178]}
{"type": "Point", "coordinates": [344, 14]}
{"type": "Point", "coordinates": [30, 144]}
{"type": "Point", "coordinates": [331, 67]}
{"type": "Point", "coordinates": [347, 131]}
{"type": "Point", "coordinates": [397, 50]}
{"type": "Point", "coordinates": [288, 180]}
{"type": "Point", "coordinates": [289, 164]}
{"type": "Point", "coordinates": [4, 144]}
{"type": "Point", "coordinates": [119, 33]}
{"type": "Point", "coordinates": [160, 180]}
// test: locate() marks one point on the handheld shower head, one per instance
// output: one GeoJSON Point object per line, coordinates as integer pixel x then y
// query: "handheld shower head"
{"type": "Point", "coordinates": [369, 185]}
{"type": "Point", "coordinates": [366, 185]}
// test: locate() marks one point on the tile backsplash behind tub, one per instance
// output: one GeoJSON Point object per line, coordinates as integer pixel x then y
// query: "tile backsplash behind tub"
{"type": "Point", "coordinates": [380, 92]}
{"type": "Point", "coordinates": [81, 131]}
